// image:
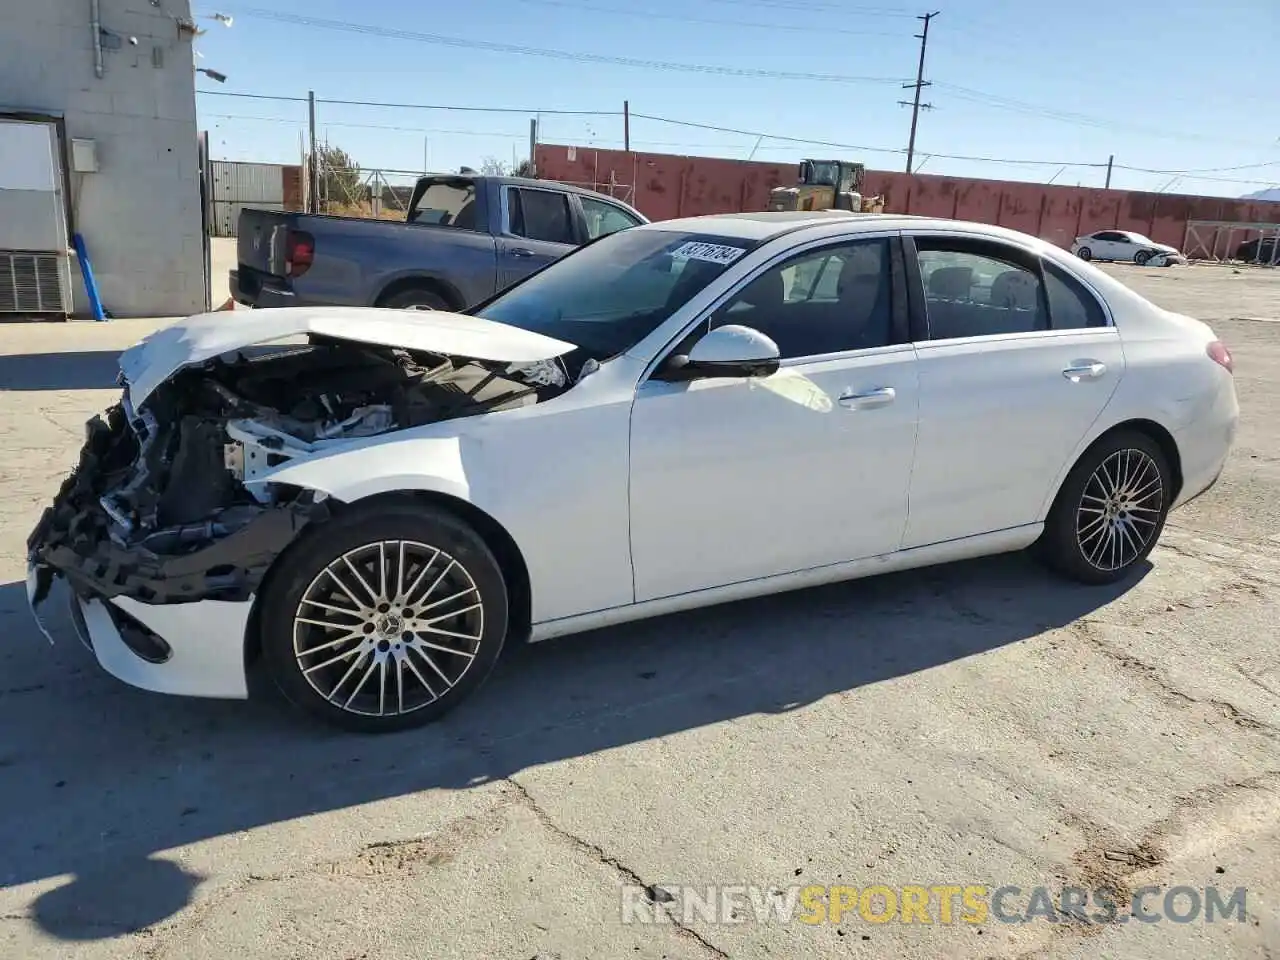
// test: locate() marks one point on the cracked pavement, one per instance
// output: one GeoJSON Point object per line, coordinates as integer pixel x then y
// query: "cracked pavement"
{"type": "Point", "coordinates": [976, 723]}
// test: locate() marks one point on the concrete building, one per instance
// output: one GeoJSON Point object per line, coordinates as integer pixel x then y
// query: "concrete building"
{"type": "Point", "coordinates": [98, 137]}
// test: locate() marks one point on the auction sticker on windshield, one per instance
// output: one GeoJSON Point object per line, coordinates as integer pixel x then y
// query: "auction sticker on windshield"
{"type": "Point", "coordinates": [710, 252]}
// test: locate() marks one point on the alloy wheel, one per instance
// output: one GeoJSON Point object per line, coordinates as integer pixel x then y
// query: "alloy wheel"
{"type": "Point", "coordinates": [1120, 509]}
{"type": "Point", "coordinates": [388, 628]}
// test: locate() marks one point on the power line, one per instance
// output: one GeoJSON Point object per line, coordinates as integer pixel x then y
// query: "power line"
{"type": "Point", "coordinates": [429, 106]}
{"type": "Point", "coordinates": [766, 136]}
{"type": "Point", "coordinates": [1242, 166]}
{"type": "Point", "coordinates": [818, 8]}
{"type": "Point", "coordinates": [396, 34]}
{"type": "Point", "coordinates": [1193, 173]}
{"type": "Point", "coordinates": [857, 146]}
{"type": "Point", "coordinates": [1071, 117]}
{"type": "Point", "coordinates": [524, 136]}
{"type": "Point", "coordinates": [250, 96]}
{"type": "Point", "coordinates": [421, 106]}
{"type": "Point", "coordinates": [681, 18]}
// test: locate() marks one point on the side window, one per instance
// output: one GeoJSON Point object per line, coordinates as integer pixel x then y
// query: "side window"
{"type": "Point", "coordinates": [971, 290]}
{"type": "Point", "coordinates": [540, 215]}
{"type": "Point", "coordinates": [822, 301]}
{"type": "Point", "coordinates": [1071, 306]}
{"type": "Point", "coordinates": [604, 218]}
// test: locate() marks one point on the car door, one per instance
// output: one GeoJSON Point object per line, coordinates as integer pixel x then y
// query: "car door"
{"type": "Point", "coordinates": [540, 227]}
{"type": "Point", "coordinates": [738, 479]}
{"type": "Point", "coordinates": [1118, 246]}
{"type": "Point", "coordinates": [1098, 244]}
{"type": "Point", "coordinates": [1017, 358]}
{"type": "Point", "coordinates": [1124, 246]}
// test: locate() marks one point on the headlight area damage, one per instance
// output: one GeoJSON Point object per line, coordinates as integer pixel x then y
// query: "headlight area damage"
{"type": "Point", "coordinates": [163, 507]}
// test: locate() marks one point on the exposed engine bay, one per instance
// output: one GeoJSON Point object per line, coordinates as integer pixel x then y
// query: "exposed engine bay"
{"type": "Point", "coordinates": [163, 506]}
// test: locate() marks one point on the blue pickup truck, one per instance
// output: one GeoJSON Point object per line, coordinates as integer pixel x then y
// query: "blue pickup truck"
{"type": "Point", "coordinates": [463, 238]}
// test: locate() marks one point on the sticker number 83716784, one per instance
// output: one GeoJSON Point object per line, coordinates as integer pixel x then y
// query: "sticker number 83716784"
{"type": "Point", "coordinates": [710, 252]}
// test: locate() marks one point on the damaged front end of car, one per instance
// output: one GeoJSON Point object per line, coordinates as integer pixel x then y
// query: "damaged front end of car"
{"type": "Point", "coordinates": [168, 503]}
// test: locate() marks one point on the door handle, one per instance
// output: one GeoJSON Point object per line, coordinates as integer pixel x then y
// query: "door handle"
{"type": "Point", "coordinates": [520, 252]}
{"type": "Point", "coordinates": [881, 396]}
{"type": "Point", "coordinates": [1084, 370]}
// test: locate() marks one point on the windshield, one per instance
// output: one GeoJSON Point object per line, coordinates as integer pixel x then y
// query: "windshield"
{"type": "Point", "coordinates": [609, 295]}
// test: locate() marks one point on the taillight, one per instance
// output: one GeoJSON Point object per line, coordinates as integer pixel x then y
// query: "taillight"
{"type": "Point", "coordinates": [300, 250]}
{"type": "Point", "coordinates": [1220, 355]}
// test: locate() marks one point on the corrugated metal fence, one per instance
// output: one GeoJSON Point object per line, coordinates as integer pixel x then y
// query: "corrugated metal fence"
{"type": "Point", "coordinates": [663, 186]}
{"type": "Point", "coordinates": [237, 185]}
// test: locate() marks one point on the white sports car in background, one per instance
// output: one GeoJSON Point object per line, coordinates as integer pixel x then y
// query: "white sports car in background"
{"type": "Point", "coordinates": [1127, 246]}
{"type": "Point", "coordinates": [676, 415]}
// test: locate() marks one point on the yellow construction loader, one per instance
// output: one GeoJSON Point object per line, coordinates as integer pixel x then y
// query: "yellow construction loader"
{"type": "Point", "coordinates": [826, 185]}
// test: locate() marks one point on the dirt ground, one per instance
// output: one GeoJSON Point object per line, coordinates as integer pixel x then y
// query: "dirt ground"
{"type": "Point", "coordinates": [976, 724]}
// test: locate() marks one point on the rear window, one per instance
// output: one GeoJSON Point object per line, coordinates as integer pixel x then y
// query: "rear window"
{"type": "Point", "coordinates": [446, 203]}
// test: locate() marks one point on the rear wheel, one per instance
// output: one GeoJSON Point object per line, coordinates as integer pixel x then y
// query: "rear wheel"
{"type": "Point", "coordinates": [1110, 511]}
{"type": "Point", "coordinates": [1084, 253]}
{"type": "Point", "coordinates": [387, 618]}
{"type": "Point", "coordinates": [1141, 257]}
{"type": "Point", "coordinates": [417, 298]}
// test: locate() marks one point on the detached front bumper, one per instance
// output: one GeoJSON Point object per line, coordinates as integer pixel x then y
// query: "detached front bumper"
{"type": "Point", "coordinates": [189, 649]}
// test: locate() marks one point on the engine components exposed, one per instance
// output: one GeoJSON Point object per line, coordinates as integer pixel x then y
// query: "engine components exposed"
{"type": "Point", "coordinates": [163, 506]}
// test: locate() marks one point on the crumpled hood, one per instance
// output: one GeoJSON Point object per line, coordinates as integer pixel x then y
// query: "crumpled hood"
{"type": "Point", "coordinates": [198, 339]}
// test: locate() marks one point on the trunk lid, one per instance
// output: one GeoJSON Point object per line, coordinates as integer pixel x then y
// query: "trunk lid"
{"type": "Point", "coordinates": [198, 339]}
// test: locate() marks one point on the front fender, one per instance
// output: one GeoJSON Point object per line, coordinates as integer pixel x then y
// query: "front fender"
{"type": "Point", "coordinates": [424, 463]}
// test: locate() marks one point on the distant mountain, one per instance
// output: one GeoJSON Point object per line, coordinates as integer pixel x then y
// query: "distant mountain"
{"type": "Point", "coordinates": [1271, 194]}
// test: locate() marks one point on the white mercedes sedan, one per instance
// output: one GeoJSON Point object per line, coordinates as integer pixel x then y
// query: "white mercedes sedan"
{"type": "Point", "coordinates": [373, 503]}
{"type": "Point", "coordinates": [1125, 245]}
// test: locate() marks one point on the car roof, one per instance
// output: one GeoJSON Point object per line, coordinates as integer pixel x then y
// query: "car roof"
{"type": "Point", "coordinates": [764, 226]}
{"type": "Point", "coordinates": [753, 226]}
{"type": "Point", "coordinates": [556, 185]}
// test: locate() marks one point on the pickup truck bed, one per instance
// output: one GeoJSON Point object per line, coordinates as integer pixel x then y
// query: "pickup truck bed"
{"type": "Point", "coordinates": [464, 238]}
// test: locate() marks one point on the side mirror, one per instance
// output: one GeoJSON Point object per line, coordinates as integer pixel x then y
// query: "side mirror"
{"type": "Point", "coordinates": [729, 351]}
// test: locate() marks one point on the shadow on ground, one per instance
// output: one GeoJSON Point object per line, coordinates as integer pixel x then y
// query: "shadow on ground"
{"type": "Point", "coordinates": [83, 370]}
{"type": "Point", "coordinates": [95, 778]}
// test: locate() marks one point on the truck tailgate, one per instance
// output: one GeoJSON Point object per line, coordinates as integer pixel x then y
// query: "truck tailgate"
{"type": "Point", "coordinates": [261, 244]}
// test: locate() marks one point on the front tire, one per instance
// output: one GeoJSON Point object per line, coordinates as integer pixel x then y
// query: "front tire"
{"type": "Point", "coordinates": [1141, 257]}
{"type": "Point", "coordinates": [1110, 511]}
{"type": "Point", "coordinates": [1084, 253]}
{"type": "Point", "coordinates": [386, 618]}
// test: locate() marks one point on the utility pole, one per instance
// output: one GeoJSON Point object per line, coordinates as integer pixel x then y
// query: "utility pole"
{"type": "Point", "coordinates": [533, 145]}
{"type": "Point", "coordinates": [919, 85]}
{"type": "Point", "coordinates": [1110, 160]}
{"type": "Point", "coordinates": [626, 125]}
{"type": "Point", "coordinates": [313, 174]}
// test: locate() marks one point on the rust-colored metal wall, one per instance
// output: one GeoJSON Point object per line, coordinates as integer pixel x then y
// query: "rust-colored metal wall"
{"type": "Point", "coordinates": [667, 186]}
{"type": "Point", "coordinates": [292, 187]}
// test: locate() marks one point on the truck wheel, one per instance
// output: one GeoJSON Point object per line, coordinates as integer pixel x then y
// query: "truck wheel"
{"type": "Point", "coordinates": [416, 298]}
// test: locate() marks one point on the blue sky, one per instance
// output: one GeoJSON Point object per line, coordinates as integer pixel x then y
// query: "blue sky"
{"type": "Point", "coordinates": [1172, 86]}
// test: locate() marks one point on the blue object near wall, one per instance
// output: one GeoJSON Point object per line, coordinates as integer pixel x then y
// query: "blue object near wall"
{"type": "Point", "coordinates": [90, 284]}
